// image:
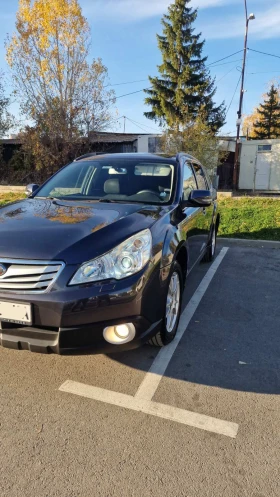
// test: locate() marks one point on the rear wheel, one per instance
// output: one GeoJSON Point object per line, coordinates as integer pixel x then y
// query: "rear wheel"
{"type": "Point", "coordinates": [211, 249]}
{"type": "Point", "coordinates": [172, 309]}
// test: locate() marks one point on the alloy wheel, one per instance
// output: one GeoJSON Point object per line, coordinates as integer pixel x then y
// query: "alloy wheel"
{"type": "Point", "coordinates": [173, 302]}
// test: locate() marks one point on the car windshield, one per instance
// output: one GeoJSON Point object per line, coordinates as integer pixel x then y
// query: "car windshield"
{"type": "Point", "coordinates": [113, 180]}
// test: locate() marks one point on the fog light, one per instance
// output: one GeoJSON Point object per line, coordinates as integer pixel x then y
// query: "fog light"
{"type": "Point", "coordinates": [119, 334]}
{"type": "Point", "coordinates": [122, 331]}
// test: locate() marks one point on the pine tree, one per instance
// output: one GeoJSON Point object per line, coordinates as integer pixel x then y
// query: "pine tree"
{"type": "Point", "coordinates": [184, 88]}
{"type": "Point", "coordinates": [267, 125]}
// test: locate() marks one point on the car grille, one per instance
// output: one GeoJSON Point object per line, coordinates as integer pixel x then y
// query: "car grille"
{"type": "Point", "coordinates": [28, 276]}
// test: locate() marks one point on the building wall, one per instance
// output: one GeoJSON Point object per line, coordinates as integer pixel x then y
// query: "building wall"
{"type": "Point", "coordinates": [275, 168]}
{"type": "Point", "coordinates": [248, 164]}
{"type": "Point", "coordinates": [143, 143]}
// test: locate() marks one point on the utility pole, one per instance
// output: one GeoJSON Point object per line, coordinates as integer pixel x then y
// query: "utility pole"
{"type": "Point", "coordinates": [124, 123]}
{"type": "Point", "coordinates": [249, 18]}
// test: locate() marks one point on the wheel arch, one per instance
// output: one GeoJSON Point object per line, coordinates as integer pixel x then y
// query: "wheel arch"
{"type": "Point", "coordinates": [181, 257]}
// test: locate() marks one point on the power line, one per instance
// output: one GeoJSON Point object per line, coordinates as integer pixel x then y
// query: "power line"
{"type": "Point", "coordinates": [118, 119]}
{"type": "Point", "coordinates": [264, 72]}
{"type": "Point", "coordinates": [225, 63]}
{"type": "Point", "coordinates": [212, 64]}
{"type": "Point", "coordinates": [133, 93]}
{"type": "Point", "coordinates": [143, 89]}
{"type": "Point", "coordinates": [142, 124]}
{"type": "Point", "coordinates": [129, 82]}
{"type": "Point", "coordinates": [225, 75]}
{"type": "Point", "coordinates": [139, 91]}
{"type": "Point", "coordinates": [264, 53]}
{"type": "Point", "coordinates": [141, 80]}
{"type": "Point", "coordinates": [233, 95]}
{"type": "Point", "coordinates": [224, 58]}
{"type": "Point", "coordinates": [136, 125]}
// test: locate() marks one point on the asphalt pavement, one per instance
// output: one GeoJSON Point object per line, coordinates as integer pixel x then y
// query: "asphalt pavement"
{"type": "Point", "coordinates": [225, 367]}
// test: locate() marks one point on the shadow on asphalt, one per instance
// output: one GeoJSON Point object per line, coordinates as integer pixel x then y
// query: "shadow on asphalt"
{"type": "Point", "coordinates": [233, 340]}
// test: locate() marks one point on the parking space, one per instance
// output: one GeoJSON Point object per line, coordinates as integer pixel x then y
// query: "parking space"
{"type": "Point", "coordinates": [226, 367]}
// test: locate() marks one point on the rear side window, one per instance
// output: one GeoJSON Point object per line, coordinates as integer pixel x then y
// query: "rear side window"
{"type": "Point", "coordinates": [189, 183]}
{"type": "Point", "coordinates": [201, 180]}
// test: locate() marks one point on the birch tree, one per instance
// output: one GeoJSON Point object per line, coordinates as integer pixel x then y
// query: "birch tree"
{"type": "Point", "coordinates": [61, 92]}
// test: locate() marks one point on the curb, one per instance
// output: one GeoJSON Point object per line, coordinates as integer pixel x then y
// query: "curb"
{"type": "Point", "coordinates": [250, 243]}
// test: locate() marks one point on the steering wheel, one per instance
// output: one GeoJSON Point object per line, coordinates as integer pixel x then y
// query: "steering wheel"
{"type": "Point", "coordinates": [149, 191]}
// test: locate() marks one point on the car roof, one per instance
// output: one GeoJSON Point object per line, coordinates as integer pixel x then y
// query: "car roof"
{"type": "Point", "coordinates": [144, 156]}
{"type": "Point", "coordinates": [137, 155]}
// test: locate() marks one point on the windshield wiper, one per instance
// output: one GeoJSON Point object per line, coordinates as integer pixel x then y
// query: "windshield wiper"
{"type": "Point", "coordinates": [45, 198]}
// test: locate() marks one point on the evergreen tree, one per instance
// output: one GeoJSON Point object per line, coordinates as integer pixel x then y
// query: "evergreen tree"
{"type": "Point", "coordinates": [267, 125]}
{"type": "Point", "coordinates": [184, 88]}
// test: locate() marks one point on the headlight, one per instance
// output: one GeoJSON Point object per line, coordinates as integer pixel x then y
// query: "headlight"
{"type": "Point", "coordinates": [126, 259]}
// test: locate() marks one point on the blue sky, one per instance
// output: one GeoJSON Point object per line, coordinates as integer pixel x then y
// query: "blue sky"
{"type": "Point", "coordinates": [123, 35]}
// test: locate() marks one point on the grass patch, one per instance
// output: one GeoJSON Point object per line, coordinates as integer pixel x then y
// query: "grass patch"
{"type": "Point", "coordinates": [6, 198]}
{"type": "Point", "coordinates": [251, 218]}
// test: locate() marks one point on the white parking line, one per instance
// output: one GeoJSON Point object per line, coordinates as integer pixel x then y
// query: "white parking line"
{"type": "Point", "coordinates": [142, 401]}
{"type": "Point", "coordinates": [152, 379]}
{"type": "Point", "coordinates": [188, 418]}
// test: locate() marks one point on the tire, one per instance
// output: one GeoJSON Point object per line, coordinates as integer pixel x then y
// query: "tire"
{"type": "Point", "coordinates": [211, 249]}
{"type": "Point", "coordinates": [169, 326]}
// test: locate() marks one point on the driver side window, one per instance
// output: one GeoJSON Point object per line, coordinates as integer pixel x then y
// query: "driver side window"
{"type": "Point", "coordinates": [189, 182]}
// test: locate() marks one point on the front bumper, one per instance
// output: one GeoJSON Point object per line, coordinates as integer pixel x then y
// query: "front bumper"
{"type": "Point", "coordinates": [74, 340]}
{"type": "Point", "coordinates": [70, 319]}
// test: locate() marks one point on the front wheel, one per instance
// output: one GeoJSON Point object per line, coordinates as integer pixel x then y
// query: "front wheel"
{"type": "Point", "coordinates": [172, 309]}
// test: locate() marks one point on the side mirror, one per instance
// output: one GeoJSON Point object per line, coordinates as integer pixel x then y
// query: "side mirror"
{"type": "Point", "coordinates": [198, 198]}
{"type": "Point", "coordinates": [31, 189]}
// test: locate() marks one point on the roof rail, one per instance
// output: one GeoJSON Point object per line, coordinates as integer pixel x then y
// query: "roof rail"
{"type": "Point", "coordinates": [85, 156]}
{"type": "Point", "coordinates": [184, 154]}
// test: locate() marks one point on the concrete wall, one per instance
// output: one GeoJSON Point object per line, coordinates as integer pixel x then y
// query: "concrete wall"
{"type": "Point", "coordinates": [13, 189]}
{"type": "Point", "coordinates": [248, 163]}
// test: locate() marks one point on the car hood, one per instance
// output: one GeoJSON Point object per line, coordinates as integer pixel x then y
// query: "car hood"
{"type": "Point", "coordinates": [70, 231]}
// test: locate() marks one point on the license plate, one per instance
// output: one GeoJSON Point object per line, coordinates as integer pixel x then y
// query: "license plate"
{"type": "Point", "coordinates": [12, 312]}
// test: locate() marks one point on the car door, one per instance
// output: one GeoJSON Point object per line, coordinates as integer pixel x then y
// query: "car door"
{"type": "Point", "coordinates": [193, 224]}
{"type": "Point", "coordinates": [203, 183]}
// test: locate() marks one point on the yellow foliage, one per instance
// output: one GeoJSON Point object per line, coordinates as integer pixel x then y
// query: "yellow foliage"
{"type": "Point", "coordinates": [248, 124]}
{"type": "Point", "coordinates": [63, 94]}
{"type": "Point", "coordinates": [48, 33]}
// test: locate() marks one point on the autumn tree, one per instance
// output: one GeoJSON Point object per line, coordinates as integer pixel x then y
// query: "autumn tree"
{"type": "Point", "coordinates": [63, 94]}
{"type": "Point", "coordinates": [184, 86]}
{"type": "Point", "coordinates": [6, 119]}
{"type": "Point", "coordinates": [264, 122]}
{"type": "Point", "coordinates": [6, 124]}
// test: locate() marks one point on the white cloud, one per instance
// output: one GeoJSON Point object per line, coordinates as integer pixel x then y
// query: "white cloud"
{"type": "Point", "coordinates": [218, 25]}
{"type": "Point", "coordinates": [133, 10]}
{"type": "Point", "coordinates": [266, 25]}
